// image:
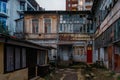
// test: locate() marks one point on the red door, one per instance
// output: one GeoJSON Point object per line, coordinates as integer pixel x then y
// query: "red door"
{"type": "Point", "coordinates": [89, 55]}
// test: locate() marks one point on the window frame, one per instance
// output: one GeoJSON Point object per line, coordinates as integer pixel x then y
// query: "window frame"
{"type": "Point", "coordinates": [46, 27]}
{"type": "Point", "coordinates": [35, 29]}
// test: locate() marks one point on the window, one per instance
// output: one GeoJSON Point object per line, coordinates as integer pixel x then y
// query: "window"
{"type": "Point", "coordinates": [3, 7]}
{"type": "Point", "coordinates": [47, 25]}
{"type": "Point", "coordinates": [22, 6]}
{"type": "Point", "coordinates": [15, 58]}
{"type": "Point", "coordinates": [9, 59]}
{"type": "Point", "coordinates": [23, 57]}
{"type": "Point", "coordinates": [68, 5]}
{"type": "Point", "coordinates": [35, 25]}
{"type": "Point", "coordinates": [60, 28]}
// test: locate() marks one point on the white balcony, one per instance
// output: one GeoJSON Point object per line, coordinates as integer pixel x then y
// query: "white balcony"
{"type": "Point", "coordinates": [4, 14]}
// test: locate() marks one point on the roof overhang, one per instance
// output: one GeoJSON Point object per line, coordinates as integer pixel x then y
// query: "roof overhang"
{"type": "Point", "coordinates": [57, 12]}
{"type": "Point", "coordinates": [15, 41]}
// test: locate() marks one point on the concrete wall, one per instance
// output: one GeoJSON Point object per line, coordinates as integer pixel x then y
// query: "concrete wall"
{"type": "Point", "coordinates": [16, 75]}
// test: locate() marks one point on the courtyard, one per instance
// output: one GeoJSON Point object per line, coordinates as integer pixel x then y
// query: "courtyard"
{"type": "Point", "coordinates": [81, 72]}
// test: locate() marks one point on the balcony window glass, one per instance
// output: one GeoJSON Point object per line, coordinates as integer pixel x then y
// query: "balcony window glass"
{"type": "Point", "coordinates": [68, 5]}
{"type": "Point", "coordinates": [35, 25]}
{"type": "Point", "coordinates": [22, 5]}
{"type": "Point", "coordinates": [3, 7]}
{"type": "Point", "coordinates": [60, 28]}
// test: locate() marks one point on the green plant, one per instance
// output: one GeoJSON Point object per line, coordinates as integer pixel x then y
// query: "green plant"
{"type": "Point", "coordinates": [111, 74]}
{"type": "Point", "coordinates": [118, 78]}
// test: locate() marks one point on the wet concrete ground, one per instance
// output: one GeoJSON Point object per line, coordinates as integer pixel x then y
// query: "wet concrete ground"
{"type": "Point", "coordinates": [76, 74]}
{"type": "Point", "coordinates": [66, 74]}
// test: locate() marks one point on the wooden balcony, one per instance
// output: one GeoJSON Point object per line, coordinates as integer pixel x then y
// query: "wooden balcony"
{"type": "Point", "coordinates": [41, 36]}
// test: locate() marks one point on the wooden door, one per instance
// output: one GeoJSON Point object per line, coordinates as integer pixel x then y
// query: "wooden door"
{"type": "Point", "coordinates": [89, 55]}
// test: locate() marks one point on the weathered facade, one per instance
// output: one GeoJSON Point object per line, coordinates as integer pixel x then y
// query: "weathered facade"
{"type": "Point", "coordinates": [20, 57]}
{"type": "Point", "coordinates": [107, 22]}
{"type": "Point", "coordinates": [74, 37]}
{"type": "Point", "coordinates": [64, 30]}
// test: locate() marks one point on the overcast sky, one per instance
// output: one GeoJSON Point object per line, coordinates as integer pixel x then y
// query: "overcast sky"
{"type": "Point", "coordinates": [52, 4]}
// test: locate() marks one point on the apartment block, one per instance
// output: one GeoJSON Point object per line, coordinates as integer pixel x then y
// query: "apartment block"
{"type": "Point", "coordinates": [78, 5]}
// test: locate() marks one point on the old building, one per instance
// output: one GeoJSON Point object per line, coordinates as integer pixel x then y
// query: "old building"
{"type": "Point", "coordinates": [67, 31]}
{"type": "Point", "coordinates": [10, 10]}
{"type": "Point", "coordinates": [107, 23]}
{"type": "Point", "coordinates": [20, 60]}
{"type": "Point", "coordinates": [74, 37]}
{"type": "Point", "coordinates": [78, 5]}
